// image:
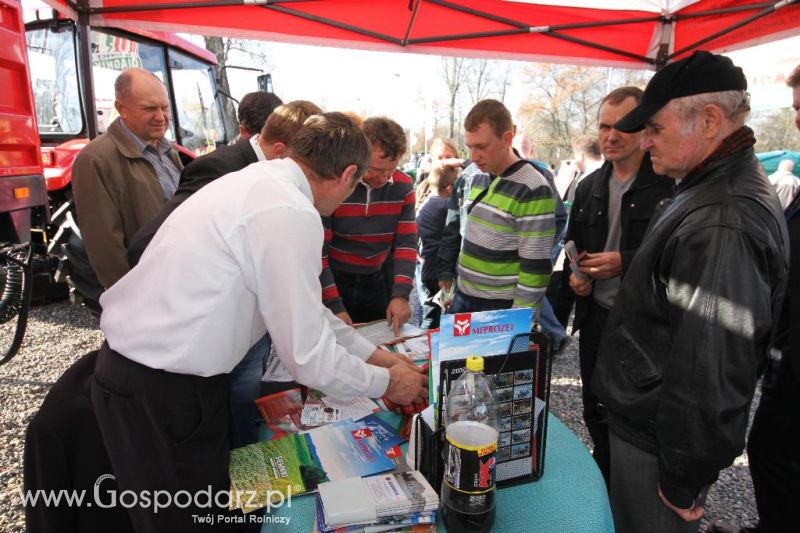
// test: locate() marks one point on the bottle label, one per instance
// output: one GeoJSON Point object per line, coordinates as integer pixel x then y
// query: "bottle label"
{"type": "Point", "coordinates": [470, 469]}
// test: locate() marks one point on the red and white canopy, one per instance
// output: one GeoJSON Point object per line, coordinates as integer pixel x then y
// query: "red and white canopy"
{"type": "Point", "coordinates": [625, 33]}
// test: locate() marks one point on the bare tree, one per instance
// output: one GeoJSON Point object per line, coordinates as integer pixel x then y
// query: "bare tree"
{"type": "Point", "coordinates": [479, 74]}
{"type": "Point", "coordinates": [258, 57]}
{"type": "Point", "coordinates": [775, 130]}
{"type": "Point", "coordinates": [453, 74]}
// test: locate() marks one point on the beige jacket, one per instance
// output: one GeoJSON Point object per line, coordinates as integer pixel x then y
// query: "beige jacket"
{"type": "Point", "coordinates": [116, 191]}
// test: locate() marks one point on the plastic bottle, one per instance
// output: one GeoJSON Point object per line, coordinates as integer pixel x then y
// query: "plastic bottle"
{"type": "Point", "coordinates": [471, 429]}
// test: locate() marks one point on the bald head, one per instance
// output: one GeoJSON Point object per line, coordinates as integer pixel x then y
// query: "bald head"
{"type": "Point", "coordinates": [143, 104]}
{"type": "Point", "coordinates": [786, 165]}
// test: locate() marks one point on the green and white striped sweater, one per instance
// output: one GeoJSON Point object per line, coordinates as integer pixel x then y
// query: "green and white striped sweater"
{"type": "Point", "coordinates": [505, 253]}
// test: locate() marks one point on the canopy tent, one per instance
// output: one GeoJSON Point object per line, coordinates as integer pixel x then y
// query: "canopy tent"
{"type": "Point", "coordinates": [622, 33]}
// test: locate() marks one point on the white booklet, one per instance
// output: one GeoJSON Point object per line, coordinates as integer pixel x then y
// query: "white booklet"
{"type": "Point", "coordinates": [373, 499]}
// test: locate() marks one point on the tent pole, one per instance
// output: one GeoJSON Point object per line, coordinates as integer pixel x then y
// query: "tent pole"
{"type": "Point", "coordinates": [413, 18]}
{"type": "Point", "coordinates": [85, 69]}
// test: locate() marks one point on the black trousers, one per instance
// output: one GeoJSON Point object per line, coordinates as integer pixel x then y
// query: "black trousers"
{"type": "Point", "coordinates": [365, 296]}
{"type": "Point", "coordinates": [591, 333]}
{"type": "Point", "coordinates": [164, 432]}
{"type": "Point", "coordinates": [773, 451]}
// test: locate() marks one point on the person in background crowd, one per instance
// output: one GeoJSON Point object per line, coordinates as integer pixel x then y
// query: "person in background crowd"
{"type": "Point", "coordinates": [430, 225]}
{"type": "Point", "coordinates": [441, 150]}
{"type": "Point", "coordinates": [588, 158]}
{"type": "Point", "coordinates": [612, 208]}
{"type": "Point", "coordinates": [253, 111]}
{"type": "Point", "coordinates": [510, 224]}
{"type": "Point", "coordinates": [773, 450]}
{"type": "Point", "coordinates": [785, 182]}
{"type": "Point", "coordinates": [693, 322]}
{"type": "Point", "coordinates": [175, 331]}
{"type": "Point", "coordinates": [122, 178]}
{"type": "Point", "coordinates": [376, 221]}
{"type": "Point", "coordinates": [272, 143]}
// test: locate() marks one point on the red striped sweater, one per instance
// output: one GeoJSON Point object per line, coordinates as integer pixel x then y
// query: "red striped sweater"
{"type": "Point", "coordinates": [364, 230]}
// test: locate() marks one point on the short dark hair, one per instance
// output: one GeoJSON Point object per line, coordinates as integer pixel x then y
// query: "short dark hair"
{"type": "Point", "coordinates": [492, 112]}
{"type": "Point", "coordinates": [284, 123]}
{"type": "Point", "coordinates": [255, 108]}
{"type": "Point", "coordinates": [794, 78]}
{"type": "Point", "coordinates": [619, 95]}
{"type": "Point", "coordinates": [387, 134]}
{"type": "Point", "coordinates": [587, 144]}
{"type": "Point", "coordinates": [330, 142]}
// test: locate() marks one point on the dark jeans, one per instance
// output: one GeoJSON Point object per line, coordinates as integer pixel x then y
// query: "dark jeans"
{"type": "Point", "coordinates": [245, 379]}
{"type": "Point", "coordinates": [365, 296]}
{"type": "Point", "coordinates": [634, 493]}
{"type": "Point", "coordinates": [470, 304]}
{"type": "Point", "coordinates": [591, 332]}
{"type": "Point", "coordinates": [166, 432]}
{"type": "Point", "coordinates": [773, 451]}
{"type": "Point", "coordinates": [431, 313]}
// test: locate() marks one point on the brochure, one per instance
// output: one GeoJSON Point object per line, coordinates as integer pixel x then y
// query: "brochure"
{"type": "Point", "coordinates": [297, 463]}
{"type": "Point", "coordinates": [394, 496]}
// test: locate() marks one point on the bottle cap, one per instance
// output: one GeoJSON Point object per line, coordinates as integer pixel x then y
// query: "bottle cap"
{"type": "Point", "coordinates": [475, 364]}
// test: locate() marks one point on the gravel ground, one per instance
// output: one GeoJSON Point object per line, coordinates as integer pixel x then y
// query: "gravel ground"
{"type": "Point", "coordinates": [58, 334]}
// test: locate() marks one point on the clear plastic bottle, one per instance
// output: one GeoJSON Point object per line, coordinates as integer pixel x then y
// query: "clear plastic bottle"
{"type": "Point", "coordinates": [471, 428]}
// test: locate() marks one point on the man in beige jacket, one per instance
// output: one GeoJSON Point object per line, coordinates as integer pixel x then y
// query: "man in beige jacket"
{"type": "Point", "coordinates": [123, 177]}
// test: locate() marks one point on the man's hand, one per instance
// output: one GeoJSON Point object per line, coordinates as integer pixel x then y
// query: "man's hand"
{"type": "Point", "coordinates": [406, 385]}
{"type": "Point", "coordinates": [345, 317]}
{"type": "Point", "coordinates": [580, 286]}
{"type": "Point", "coordinates": [397, 313]}
{"type": "Point", "coordinates": [691, 514]}
{"type": "Point", "coordinates": [387, 359]}
{"type": "Point", "coordinates": [446, 284]}
{"type": "Point", "coordinates": [602, 265]}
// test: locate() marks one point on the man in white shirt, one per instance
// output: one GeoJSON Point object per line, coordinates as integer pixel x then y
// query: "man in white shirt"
{"type": "Point", "coordinates": [785, 182]}
{"type": "Point", "coordinates": [237, 259]}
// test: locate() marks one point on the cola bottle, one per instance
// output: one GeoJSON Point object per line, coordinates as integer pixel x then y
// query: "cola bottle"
{"type": "Point", "coordinates": [471, 432]}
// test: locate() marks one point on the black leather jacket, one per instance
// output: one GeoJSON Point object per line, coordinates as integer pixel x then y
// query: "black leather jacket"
{"type": "Point", "coordinates": [693, 322]}
{"type": "Point", "coordinates": [588, 223]}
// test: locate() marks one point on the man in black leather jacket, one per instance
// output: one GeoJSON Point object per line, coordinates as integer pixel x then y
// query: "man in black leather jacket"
{"type": "Point", "coordinates": [694, 319]}
{"type": "Point", "coordinates": [610, 213]}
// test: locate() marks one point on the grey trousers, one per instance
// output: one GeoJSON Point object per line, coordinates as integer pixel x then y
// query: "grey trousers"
{"type": "Point", "coordinates": [634, 493]}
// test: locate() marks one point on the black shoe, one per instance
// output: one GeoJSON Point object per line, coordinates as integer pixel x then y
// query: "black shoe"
{"type": "Point", "coordinates": [562, 346]}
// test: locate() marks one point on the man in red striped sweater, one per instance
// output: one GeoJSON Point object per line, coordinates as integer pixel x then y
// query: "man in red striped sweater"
{"type": "Point", "coordinates": [375, 223]}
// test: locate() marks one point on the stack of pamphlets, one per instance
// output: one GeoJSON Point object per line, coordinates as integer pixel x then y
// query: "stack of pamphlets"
{"type": "Point", "coordinates": [402, 501]}
{"type": "Point", "coordinates": [272, 470]}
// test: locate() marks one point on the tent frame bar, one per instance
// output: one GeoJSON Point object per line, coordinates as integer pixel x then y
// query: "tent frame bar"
{"type": "Point", "coordinates": [517, 27]}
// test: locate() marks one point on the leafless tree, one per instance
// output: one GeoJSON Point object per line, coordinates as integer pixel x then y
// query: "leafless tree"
{"type": "Point", "coordinates": [453, 73]}
{"type": "Point", "coordinates": [222, 47]}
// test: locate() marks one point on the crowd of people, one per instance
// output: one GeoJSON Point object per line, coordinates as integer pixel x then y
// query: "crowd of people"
{"type": "Point", "coordinates": [682, 287]}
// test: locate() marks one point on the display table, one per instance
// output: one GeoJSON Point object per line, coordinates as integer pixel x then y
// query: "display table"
{"type": "Point", "coordinates": [571, 496]}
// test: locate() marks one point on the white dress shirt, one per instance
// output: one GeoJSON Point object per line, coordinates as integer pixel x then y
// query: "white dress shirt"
{"type": "Point", "coordinates": [786, 186]}
{"type": "Point", "coordinates": [237, 259]}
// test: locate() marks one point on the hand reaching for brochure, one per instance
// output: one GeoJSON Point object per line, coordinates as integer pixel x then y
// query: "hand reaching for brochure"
{"type": "Point", "coordinates": [387, 359]}
{"type": "Point", "coordinates": [406, 385]}
{"type": "Point", "coordinates": [345, 317]}
{"type": "Point", "coordinates": [397, 314]}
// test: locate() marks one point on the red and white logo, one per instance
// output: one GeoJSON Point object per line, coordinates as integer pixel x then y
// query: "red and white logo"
{"type": "Point", "coordinates": [364, 433]}
{"type": "Point", "coordinates": [462, 325]}
{"type": "Point", "coordinates": [394, 452]}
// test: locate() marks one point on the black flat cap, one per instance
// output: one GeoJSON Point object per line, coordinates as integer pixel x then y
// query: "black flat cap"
{"type": "Point", "coordinates": [702, 72]}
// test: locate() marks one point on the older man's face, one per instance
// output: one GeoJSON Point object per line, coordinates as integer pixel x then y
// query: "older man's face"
{"type": "Point", "coordinates": [145, 110]}
{"type": "Point", "coordinates": [675, 146]}
{"type": "Point", "coordinates": [796, 105]}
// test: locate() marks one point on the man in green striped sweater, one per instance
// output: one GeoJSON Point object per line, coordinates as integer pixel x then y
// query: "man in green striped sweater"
{"type": "Point", "coordinates": [505, 254]}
